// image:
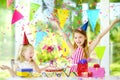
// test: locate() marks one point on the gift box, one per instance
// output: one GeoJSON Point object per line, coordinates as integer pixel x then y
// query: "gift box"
{"type": "Point", "coordinates": [82, 66]}
{"type": "Point", "coordinates": [97, 71]}
{"type": "Point", "coordinates": [26, 72]}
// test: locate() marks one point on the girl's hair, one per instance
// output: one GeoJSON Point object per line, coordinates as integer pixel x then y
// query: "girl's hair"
{"type": "Point", "coordinates": [21, 51]}
{"type": "Point", "coordinates": [85, 46]}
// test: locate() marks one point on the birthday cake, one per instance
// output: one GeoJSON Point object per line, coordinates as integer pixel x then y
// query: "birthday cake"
{"type": "Point", "coordinates": [53, 69]}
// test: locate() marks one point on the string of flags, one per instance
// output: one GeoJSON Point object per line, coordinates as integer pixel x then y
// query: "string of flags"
{"type": "Point", "coordinates": [16, 16]}
{"type": "Point", "coordinates": [33, 8]}
{"type": "Point", "coordinates": [93, 17]}
{"type": "Point", "coordinates": [100, 50]}
{"type": "Point", "coordinates": [63, 15]}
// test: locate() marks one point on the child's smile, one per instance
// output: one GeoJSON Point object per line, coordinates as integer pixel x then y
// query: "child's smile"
{"type": "Point", "coordinates": [79, 39]}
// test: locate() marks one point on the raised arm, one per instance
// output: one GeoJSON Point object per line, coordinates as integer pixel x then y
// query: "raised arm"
{"type": "Point", "coordinates": [65, 36]}
{"type": "Point", "coordinates": [96, 41]}
{"type": "Point", "coordinates": [37, 67]}
{"type": "Point", "coordinates": [11, 71]}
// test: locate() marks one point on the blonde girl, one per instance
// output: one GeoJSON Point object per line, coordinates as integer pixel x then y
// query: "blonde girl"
{"type": "Point", "coordinates": [24, 60]}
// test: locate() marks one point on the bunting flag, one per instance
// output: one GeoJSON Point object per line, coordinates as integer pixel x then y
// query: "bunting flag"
{"type": "Point", "coordinates": [93, 16]}
{"type": "Point", "coordinates": [100, 51]}
{"type": "Point", "coordinates": [49, 4]}
{"type": "Point", "coordinates": [44, 5]}
{"type": "Point", "coordinates": [39, 37]}
{"type": "Point", "coordinates": [33, 8]}
{"type": "Point", "coordinates": [9, 2]}
{"type": "Point", "coordinates": [48, 7]}
{"type": "Point", "coordinates": [16, 16]}
{"type": "Point", "coordinates": [62, 15]}
{"type": "Point", "coordinates": [65, 48]}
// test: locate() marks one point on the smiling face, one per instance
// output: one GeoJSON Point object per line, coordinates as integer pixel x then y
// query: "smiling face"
{"type": "Point", "coordinates": [29, 53]}
{"type": "Point", "coordinates": [79, 39]}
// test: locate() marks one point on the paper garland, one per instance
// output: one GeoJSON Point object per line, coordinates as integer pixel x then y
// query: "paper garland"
{"type": "Point", "coordinates": [33, 8]}
{"type": "Point", "coordinates": [49, 4]}
{"type": "Point", "coordinates": [62, 15]}
{"type": "Point", "coordinates": [16, 16]}
{"type": "Point", "coordinates": [93, 16]}
{"type": "Point", "coordinates": [100, 51]}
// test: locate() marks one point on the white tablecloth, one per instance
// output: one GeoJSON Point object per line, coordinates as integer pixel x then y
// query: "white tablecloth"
{"type": "Point", "coordinates": [64, 78]}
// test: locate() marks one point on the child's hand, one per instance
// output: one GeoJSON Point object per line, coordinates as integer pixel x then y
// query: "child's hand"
{"type": "Point", "coordinates": [54, 19]}
{"type": "Point", "coordinates": [33, 62]}
{"type": "Point", "coordinates": [4, 67]}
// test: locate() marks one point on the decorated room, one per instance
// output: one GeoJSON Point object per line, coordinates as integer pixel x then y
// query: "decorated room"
{"type": "Point", "coordinates": [59, 39]}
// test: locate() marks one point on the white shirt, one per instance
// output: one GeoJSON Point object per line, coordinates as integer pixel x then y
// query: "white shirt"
{"type": "Point", "coordinates": [24, 64]}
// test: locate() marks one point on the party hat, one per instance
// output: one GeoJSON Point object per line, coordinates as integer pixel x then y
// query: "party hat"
{"type": "Point", "coordinates": [25, 40]}
{"type": "Point", "coordinates": [84, 27]}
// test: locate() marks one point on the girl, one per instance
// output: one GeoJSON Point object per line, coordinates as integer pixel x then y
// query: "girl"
{"type": "Point", "coordinates": [80, 48]}
{"type": "Point", "coordinates": [24, 60]}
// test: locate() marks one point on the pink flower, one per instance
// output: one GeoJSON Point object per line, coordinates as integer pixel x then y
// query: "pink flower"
{"type": "Point", "coordinates": [59, 48]}
{"type": "Point", "coordinates": [50, 49]}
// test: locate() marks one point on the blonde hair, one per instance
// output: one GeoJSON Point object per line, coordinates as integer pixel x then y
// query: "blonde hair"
{"type": "Point", "coordinates": [85, 46]}
{"type": "Point", "coordinates": [21, 51]}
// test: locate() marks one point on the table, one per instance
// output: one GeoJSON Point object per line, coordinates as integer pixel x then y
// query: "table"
{"type": "Point", "coordinates": [65, 78]}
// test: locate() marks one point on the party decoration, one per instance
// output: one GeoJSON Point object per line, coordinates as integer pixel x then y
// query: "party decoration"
{"type": "Point", "coordinates": [39, 37]}
{"type": "Point", "coordinates": [9, 2]}
{"type": "Point", "coordinates": [33, 8]}
{"type": "Point", "coordinates": [97, 72]}
{"type": "Point", "coordinates": [16, 16]}
{"type": "Point", "coordinates": [49, 4]}
{"type": "Point", "coordinates": [93, 16]}
{"type": "Point", "coordinates": [25, 39]}
{"type": "Point", "coordinates": [100, 51]}
{"type": "Point", "coordinates": [44, 5]}
{"type": "Point", "coordinates": [84, 27]}
{"type": "Point", "coordinates": [48, 7]}
{"type": "Point", "coordinates": [62, 15]}
{"type": "Point", "coordinates": [65, 48]}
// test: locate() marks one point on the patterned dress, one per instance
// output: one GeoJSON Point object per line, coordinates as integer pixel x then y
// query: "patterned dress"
{"type": "Point", "coordinates": [76, 56]}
